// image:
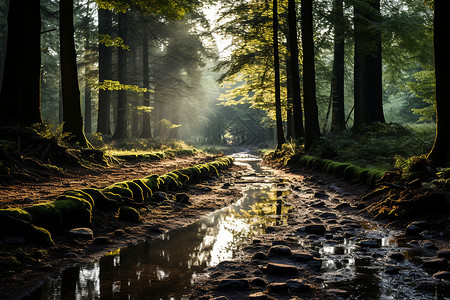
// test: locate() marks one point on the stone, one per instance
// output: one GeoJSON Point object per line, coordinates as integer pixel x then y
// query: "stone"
{"type": "Point", "coordinates": [298, 286]}
{"type": "Point", "coordinates": [442, 275]}
{"type": "Point", "coordinates": [391, 270]}
{"type": "Point", "coordinates": [444, 253]}
{"type": "Point", "coordinates": [281, 269]}
{"type": "Point", "coordinates": [318, 229]}
{"type": "Point", "coordinates": [436, 264]}
{"type": "Point", "coordinates": [339, 293]}
{"type": "Point", "coordinates": [396, 256]}
{"type": "Point", "coordinates": [315, 264]}
{"type": "Point", "coordinates": [321, 195]}
{"type": "Point", "coordinates": [336, 189]}
{"type": "Point", "coordinates": [368, 244]}
{"type": "Point", "coordinates": [278, 242]}
{"type": "Point", "coordinates": [234, 284]}
{"type": "Point", "coordinates": [219, 298]}
{"type": "Point", "coordinates": [130, 214]}
{"type": "Point", "coordinates": [426, 286]}
{"type": "Point", "coordinates": [154, 229]}
{"type": "Point", "coordinates": [159, 196]}
{"type": "Point", "coordinates": [302, 256]}
{"type": "Point", "coordinates": [82, 233]}
{"type": "Point", "coordinates": [260, 296]}
{"type": "Point", "coordinates": [343, 206]}
{"type": "Point", "coordinates": [259, 255]}
{"type": "Point", "coordinates": [182, 198]}
{"type": "Point", "coordinates": [278, 288]}
{"type": "Point", "coordinates": [258, 281]}
{"type": "Point", "coordinates": [280, 250]}
{"type": "Point", "coordinates": [328, 215]}
{"type": "Point", "coordinates": [101, 240]}
{"type": "Point", "coordinates": [413, 230]}
{"type": "Point", "coordinates": [70, 255]}
{"type": "Point", "coordinates": [119, 233]}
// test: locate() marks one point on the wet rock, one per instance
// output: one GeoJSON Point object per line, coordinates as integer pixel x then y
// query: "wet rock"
{"type": "Point", "coordinates": [343, 206]}
{"type": "Point", "coordinates": [415, 228]}
{"type": "Point", "coordinates": [392, 270]}
{"type": "Point", "coordinates": [278, 288]}
{"type": "Point", "coordinates": [280, 250]}
{"type": "Point", "coordinates": [315, 264]}
{"type": "Point", "coordinates": [154, 229]}
{"type": "Point", "coordinates": [349, 234]}
{"type": "Point", "coordinates": [339, 293]}
{"type": "Point", "coordinates": [328, 215]}
{"type": "Point", "coordinates": [426, 286]}
{"type": "Point", "coordinates": [442, 275]}
{"type": "Point", "coordinates": [271, 229]}
{"type": "Point", "coordinates": [336, 189]}
{"type": "Point", "coordinates": [368, 244]}
{"type": "Point", "coordinates": [259, 255]}
{"type": "Point", "coordinates": [128, 213]}
{"type": "Point", "coordinates": [70, 255]}
{"type": "Point", "coordinates": [281, 269]}
{"type": "Point", "coordinates": [429, 245]}
{"type": "Point", "coordinates": [234, 284]}
{"type": "Point", "coordinates": [318, 229]}
{"type": "Point", "coordinates": [256, 241]}
{"type": "Point", "coordinates": [260, 296]}
{"type": "Point", "coordinates": [240, 274]}
{"type": "Point", "coordinates": [328, 236]}
{"type": "Point", "coordinates": [436, 264]}
{"type": "Point", "coordinates": [226, 185]}
{"type": "Point", "coordinates": [445, 253]}
{"type": "Point", "coordinates": [160, 196]}
{"type": "Point", "coordinates": [258, 281]}
{"type": "Point", "coordinates": [82, 233]}
{"type": "Point", "coordinates": [101, 240]}
{"type": "Point", "coordinates": [298, 286]}
{"type": "Point", "coordinates": [321, 195]}
{"type": "Point", "coordinates": [318, 204]}
{"type": "Point", "coordinates": [182, 198]}
{"type": "Point", "coordinates": [279, 242]}
{"type": "Point", "coordinates": [119, 233]}
{"type": "Point", "coordinates": [396, 256]}
{"type": "Point", "coordinates": [361, 205]}
{"type": "Point", "coordinates": [219, 298]}
{"type": "Point", "coordinates": [302, 256]}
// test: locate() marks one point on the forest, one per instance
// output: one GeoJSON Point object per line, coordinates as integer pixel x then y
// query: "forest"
{"type": "Point", "coordinates": [125, 124]}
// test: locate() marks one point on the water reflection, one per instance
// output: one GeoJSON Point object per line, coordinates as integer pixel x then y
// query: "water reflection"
{"type": "Point", "coordinates": [165, 268]}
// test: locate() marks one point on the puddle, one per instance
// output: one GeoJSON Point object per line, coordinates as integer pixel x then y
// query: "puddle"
{"type": "Point", "coordinates": [166, 268]}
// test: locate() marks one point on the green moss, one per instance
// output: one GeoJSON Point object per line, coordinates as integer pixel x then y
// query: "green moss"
{"type": "Point", "coordinates": [104, 200]}
{"type": "Point", "coordinates": [119, 189]}
{"type": "Point", "coordinates": [146, 191]}
{"type": "Point", "coordinates": [131, 214]}
{"type": "Point", "coordinates": [78, 194]}
{"type": "Point", "coordinates": [138, 194]}
{"type": "Point", "coordinates": [16, 213]}
{"type": "Point", "coordinates": [152, 182]}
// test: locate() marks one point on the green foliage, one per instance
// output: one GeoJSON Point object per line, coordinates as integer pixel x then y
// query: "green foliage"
{"type": "Point", "coordinates": [113, 85]}
{"type": "Point", "coordinates": [413, 167]}
{"type": "Point", "coordinates": [108, 41]}
{"type": "Point", "coordinates": [424, 86]}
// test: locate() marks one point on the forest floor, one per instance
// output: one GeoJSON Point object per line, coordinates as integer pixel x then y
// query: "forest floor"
{"type": "Point", "coordinates": [36, 265]}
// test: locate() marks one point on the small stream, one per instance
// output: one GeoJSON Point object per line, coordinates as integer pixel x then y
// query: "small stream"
{"type": "Point", "coordinates": [167, 268]}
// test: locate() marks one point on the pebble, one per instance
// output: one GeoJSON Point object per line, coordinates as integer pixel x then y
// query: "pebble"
{"type": "Point", "coordinates": [227, 284]}
{"type": "Point", "coordinates": [392, 270]}
{"type": "Point", "coordinates": [298, 286]}
{"type": "Point", "coordinates": [278, 288]}
{"type": "Point", "coordinates": [259, 255]}
{"type": "Point", "coordinates": [260, 296]}
{"type": "Point", "coordinates": [280, 250]}
{"type": "Point", "coordinates": [413, 230]}
{"type": "Point", "coordinates": [445, 253]}
{"type": "Point", "coordinates": [339, 293]}
{"type": "Point", "coordinates": [343, 206]}
{"type": "Point", "coordinates": [328, 215]}
{"type": "Point", "coordinates": [83, 233]}
{"type": "Point", "coordinates": [436, 264]}
{"type": "Point", "coordinates": [302, 256]}
{"type": "Point", "coordinates": [281, 269]}
{"type": "Point", "coordinates": [70, 255]}
{"type": "Point", "coordinates": [318, 229]}
{"type": "Point", "coordinates": [442, 275]}
{"type": "Point", "coordinates": [101, 240]}
{"type": "Point", "coordinates": [426, 286]}
{"type": "Point", "coordinates": [258, 281]}
{"type": "Point", "coordinates": [396, 256]}
{"type": "Point", "coordinates": [369, 244]}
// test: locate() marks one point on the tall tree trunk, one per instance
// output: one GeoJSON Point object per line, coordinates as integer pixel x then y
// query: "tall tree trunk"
{"type": "Point", "coordinates": [73, 121]}
{"type": "Point", "coordinates": [289, 116]}
{"type": "Point", "coordinates": [105, 73]}
{"type": "Point", "coordinates": [87, 69]}
{"type": "Point", "coordinates": [276, 57]}
{"type": "Point", "coordinates": [312, 129]}
{"type": "Point", "coordinates": [295, 77]}
{"type": "Point", "coordinates": [20, 97]}
{"type": "Point", "coordinates": [146, 126]}
{"type": "Point", "coordinates": [121, 131]}
{"type": "Point", "coordinates": [440, 153]}
{"type": "Point", "coordinates": [337, 79]}
{"type": "Point", "coordinates": [367, 66]}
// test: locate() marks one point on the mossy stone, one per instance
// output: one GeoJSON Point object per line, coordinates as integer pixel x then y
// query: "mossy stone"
{"type": "Point", "coordinates": [131, 214]}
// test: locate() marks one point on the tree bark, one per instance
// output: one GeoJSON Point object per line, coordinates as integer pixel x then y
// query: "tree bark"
{"type": "Point", "coordinates": [73, 121]}
{"type": "Point", "coordinates": [20, 96]}
{"type": "Point", "coordinates": [367, 66]}
{"type": "Point", "coordinates": [440, 153]}
{"type": "Point", "coordinates": [87, 88]}
{"type": "Point", "coordinates": [312, 129]}
{"type": "Point", "coordinates": [121, 131]}
{"type": "Point", "coordinates": [337, 80]}
{"type": "Point", "coordinates": [276, 57]}
{"type": "Point", "coordinates": [295, 72]}
{"type": "Point", "coordinates": [146, 126]}
{"type": "Point", "coordinates": [105, 73]}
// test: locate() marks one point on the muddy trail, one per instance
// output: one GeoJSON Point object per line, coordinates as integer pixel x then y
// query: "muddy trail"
{"type": "Point", "coordinates": [289, 236]}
